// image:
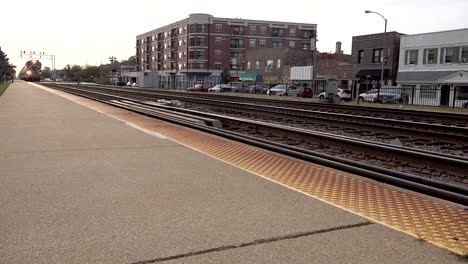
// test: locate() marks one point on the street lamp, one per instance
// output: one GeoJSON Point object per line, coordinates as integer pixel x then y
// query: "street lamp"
{"type": "Point", "coordinates": [383, 49]}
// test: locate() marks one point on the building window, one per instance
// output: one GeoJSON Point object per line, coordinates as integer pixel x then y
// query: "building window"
{"type": "Point", "coordinates": [292, 44]}
{"type": "Point", "coordinates": [152, 38]}
{"type": "Point", "coordinates": [257, 65]}
{"type": "Point", "coordinates": [253, 30]}
{"type": "Point", "coordinates": [165, 45]}
{"type": "Point", "coordinates": [253, 43]}
{"type": "Point", "coordinates": [165, 34]}
{"type": "Point", "coordinates": [217, 54]}
{"type": "Point", "coordinates": [411, 57]}
{"type": "Point", "coordinates": [180, 30]}
{"type": "Point", "coordinates": [448, 55]}
{"type": "Point", "coordinates": [218, 41]}
{"type": "Point", "coordinates": [200, 65]}
{"type": "Point", "coordinates": [428, 91]}
{"type": "Point", "coordinates": [377, 58]}
{"type": "Point", "coordinates": [180, 42]}
{"type": "Point", "coordinates": [277, 44]}
{"type": "Point", "coordinates": [197, 41]}
{"type": "Point", "coordinates": [217, 65]}
{"type": "Point", "coordinates": [461, 92]}
{"type": "Point", "coordinates": [269, 65]}
{"type": "Point", "coordinates": [152, 58]}
{"type": "Point", "coordinates": [262, 43]}
{"type": "Point", "coordinates": [219, 27]}
{"type": "Point", "coordinates": [152, 48]}
{"type": "Point", "coordinates": [292, 32]}
{"type": "Point", "coordinates": [263, 31]}
{"type": "Point", "coordinates": [180, 55]}
{"type": "Point", "coordinates": [305, 46]}
{"type": "Point", "coordinates": [248, 65]}
{"type": "Point", "coordinates": [360, 57]}
{"type": "Point", "coordinates": [180, 66]}
{"type": "Point", "coordinates": [201, 28]}
{"type": "Point", "coordinates": [464, 55]}
{"type": "Point", "coordinates": [278, 64]}
{"type": "Point", "coordinates": [430, 56]}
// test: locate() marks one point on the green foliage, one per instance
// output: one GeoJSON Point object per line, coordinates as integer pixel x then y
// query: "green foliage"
{"type": "Point", "coordinates": [46, 73]}
{"type": "Point", "coordinates": [7, 70]}
{"type": "Point", "coordinates": [3, 87]}
{"type": "Point", "coordinates": [91, 74]}
{"type": "Point", "coordinates": [97, 74]}
{"type": "Point", "coordinates": [130, 62]}
{"type": "Point", "coordinates": [226, 76]}
{"type": "Point", "coordinates": [73, 73]}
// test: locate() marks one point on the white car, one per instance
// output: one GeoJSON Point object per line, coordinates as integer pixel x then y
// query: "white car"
{"type": "Point", "coordinates": [344, 94]}
{"type": "Point", "coordinates": [223, 88]}
{"type": "Point", "coordinates": [368, 96]}
{"type": "Point", "coordinates": [284, 90]}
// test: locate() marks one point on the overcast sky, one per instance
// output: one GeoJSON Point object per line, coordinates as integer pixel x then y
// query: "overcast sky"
{"type": "Point", "coordinates": [80, 32]}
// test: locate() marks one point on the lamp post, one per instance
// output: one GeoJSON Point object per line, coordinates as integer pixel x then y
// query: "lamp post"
{"type": "Point", "coordinates": [383, 49]}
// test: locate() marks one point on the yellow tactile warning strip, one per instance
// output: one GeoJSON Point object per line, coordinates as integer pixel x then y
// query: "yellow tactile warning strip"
{"type": "Point", "coordinates": [425, 219]}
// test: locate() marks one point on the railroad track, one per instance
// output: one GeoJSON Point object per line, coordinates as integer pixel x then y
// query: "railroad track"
{"type": "Point", "coordinates": [435, 137]}
{"type": "Point", "coordinates": [400, 166]}
{"type": "Point", "coordinates": [447, 119]}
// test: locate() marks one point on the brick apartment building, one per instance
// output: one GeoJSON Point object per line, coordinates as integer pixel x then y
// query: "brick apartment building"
{"type": "Point", "coordinates": [201, 46]}
{"type": "Point", "coordinates": [367, 54]}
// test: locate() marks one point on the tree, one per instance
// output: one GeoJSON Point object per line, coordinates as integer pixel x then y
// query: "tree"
{"type": "Point", "coordinates": [7, 70]}
{"type": "Point", "coordinates": [130, 62]}
{"type": "Point", "coordinates": [226, 76]}
{"type": "Point", "coordinates": [91, 73]}
{"type": "Point", "coordinates": [46, 73]}
{"type": "Point", "coordinates": [73, 73]}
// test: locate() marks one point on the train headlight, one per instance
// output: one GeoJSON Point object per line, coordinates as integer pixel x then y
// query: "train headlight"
{"type": "Point", "coordinates": [28, 72]}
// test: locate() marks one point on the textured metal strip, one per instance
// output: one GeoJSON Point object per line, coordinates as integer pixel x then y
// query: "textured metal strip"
{"type": "Point", "coordinates": [425, 219]}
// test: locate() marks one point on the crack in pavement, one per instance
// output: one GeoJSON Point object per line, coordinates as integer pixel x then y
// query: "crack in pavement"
{"type": "Point", "coordinates": [253, 243]}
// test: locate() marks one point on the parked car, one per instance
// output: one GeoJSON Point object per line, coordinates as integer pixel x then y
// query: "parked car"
{"type": "Point", "coordinates": [197, 88]}
{"type": "Point", "coordinates": [284, 90]}
{"type": "Point", "coordinates": [119, 83]}
{"type": "Point", "coordinates": [259, 88]}
{"type": "Point", "coordinates": [222, 88]}
{"type": "Point", "coordinates": [344, 94]}
{"type": "Point", "coordinates": [238, 87]}
{"type": "Point", "coordinates": [368, 96]}
{"type": "Point", "coordinates": [305, 92]}
{"type": "Point", "coordinates": [386, 95]}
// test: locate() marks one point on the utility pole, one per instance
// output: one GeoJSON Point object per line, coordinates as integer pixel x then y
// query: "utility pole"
{"type": "Point", "coordinates": [112, 60]}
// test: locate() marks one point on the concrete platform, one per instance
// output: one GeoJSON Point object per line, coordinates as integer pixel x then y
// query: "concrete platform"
{"type": "Point", "coordinates": [78, 186]}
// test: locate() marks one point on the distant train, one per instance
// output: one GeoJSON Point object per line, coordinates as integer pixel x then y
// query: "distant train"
{"type": "Point", "coordinates": [31, 72]}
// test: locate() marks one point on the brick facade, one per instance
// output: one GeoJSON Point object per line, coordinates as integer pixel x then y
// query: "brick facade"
{"type": "Point", "coordinates": [202, 46]}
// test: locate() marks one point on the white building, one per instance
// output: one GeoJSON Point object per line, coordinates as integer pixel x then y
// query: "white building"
{"type": "Point", "coordinates": [434, 67]}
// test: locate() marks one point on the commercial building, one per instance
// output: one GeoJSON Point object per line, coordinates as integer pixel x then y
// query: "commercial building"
{"type": "Point", "coordinates": [337, 65]}
{"type": "Point", "coordinates": [368, 52]}
{"type": "Point", "coordinates": [274, 64]}
{"type": "Point", "coordinates": [434, 67]}
{"type": "Point", "coordinates": [201, 46]}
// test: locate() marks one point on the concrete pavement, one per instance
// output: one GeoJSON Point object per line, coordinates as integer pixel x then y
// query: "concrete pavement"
{"type": "Point", "coordinates": [80, 187]}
